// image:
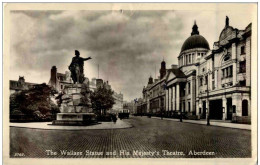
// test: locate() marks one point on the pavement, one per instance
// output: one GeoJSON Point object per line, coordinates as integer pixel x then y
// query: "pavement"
{"type": "Point", "coordinates": [218, 123]}
{"type": "Point", "coordinates": [148, 138]}
{"type": "Point", "coordinates": [47, 125]}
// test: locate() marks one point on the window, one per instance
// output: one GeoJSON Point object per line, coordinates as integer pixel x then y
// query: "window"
{"type": "Point", "coordinates": [226, 72]}
{"type": "Point", "coordinates": [61, 86]}
{"type": "Point", "coordinates": [243, 50]}
{"type": "Point", "coordinates": [242, 83]}
{"type": "Point", "coordinates": [206, 80]}
{"type": "Point", "coordinates": [227, 57]}
{"type": "Point", "coordinates": [223, 73]}
{"type": "Point", "coordinates": [213, 75]}
{"type": "Point", "coordinates": [242, 67]}
{"type": "Point", "coordinates": [201, 81]}
{"type": "Point", "coordinates": [213, 84]}
{"type": "Point", "coordinates": [189, 106]}
{"type": "Point", "coordinates": [189, 88]}
{"type": "Point", "coordinates": [230, 71]}
{"type": "Point", "coordinates": [189, 58]}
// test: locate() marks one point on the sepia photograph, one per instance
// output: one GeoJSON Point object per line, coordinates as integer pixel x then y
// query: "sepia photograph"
{"type": "Point", "coordinates": [166, 82]}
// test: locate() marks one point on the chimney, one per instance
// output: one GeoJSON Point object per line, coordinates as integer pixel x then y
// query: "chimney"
{"type": "Point", "coordinates": [53, 76]}
{"type": "Point", "coordinates": [150, 80]}
{"type": "Point", "coordinates": [163, 69]}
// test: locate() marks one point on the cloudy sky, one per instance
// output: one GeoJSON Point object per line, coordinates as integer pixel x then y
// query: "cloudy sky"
{"type": "Point", "coordinates": [127, 45]}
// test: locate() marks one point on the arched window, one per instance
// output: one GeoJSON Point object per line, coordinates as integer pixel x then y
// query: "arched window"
{"type": "Point", "coordinates": [244, 108]}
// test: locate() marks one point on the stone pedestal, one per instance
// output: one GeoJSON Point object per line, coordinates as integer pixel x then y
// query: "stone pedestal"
{"type": "Point", "coordinates": [76, 107]}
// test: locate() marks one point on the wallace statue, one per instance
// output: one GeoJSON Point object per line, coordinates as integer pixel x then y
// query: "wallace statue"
{"type": "Point", "coordinates": [77, 68]}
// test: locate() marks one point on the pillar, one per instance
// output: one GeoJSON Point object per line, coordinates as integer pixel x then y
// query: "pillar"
{"type": "Point", "coordinates": [234, 59]}
{"type": "Point", "coordinates": [170, 99]}
{"type": "Point", "coordinates": [166, 100]}
{"type": "Point", "coordinates": [237, 101]}
{"type": "Point", "coordinates": [216, 78]}
{"type": "Point", "coordinates": [248, 61]}
{"type": "Point", "coordinates": [224, 110]}
{"type": "Point", "coordinates": [192, 95]}
{"type": "Point", "coordinates": [174, 98]}
{"type": "Point", "coordinates": [197, 82]}
{"type": "Point", "coordinates": [177, 97]}
{"type": "Point", "coordinates": [207, 108]}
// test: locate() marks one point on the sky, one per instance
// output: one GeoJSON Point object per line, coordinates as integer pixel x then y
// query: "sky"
{"type": "Point", "coordinates": [128, 45]}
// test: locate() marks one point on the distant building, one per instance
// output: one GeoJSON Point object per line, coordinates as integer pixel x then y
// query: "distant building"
{"type": "Point", "coordinates": [153, 101]}
{"type": "Point", "coordinates": [129, 106]}
{"type": "Point", "coordinates": [118, 106]}
{"type": "Point", "coordinates": [20, 85]}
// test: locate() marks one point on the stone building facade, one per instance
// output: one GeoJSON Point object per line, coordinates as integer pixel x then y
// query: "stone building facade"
{"type": "Point", "coordinates": [212, 83]}
{"type": "Point", "coordinates": [16, 86]}
{"type": "Point", "coordinates": [59, 80]}
{"type": "Point", "coordinates": [118, 106]}
{"type": "Point", "coordinates": [153, 101]}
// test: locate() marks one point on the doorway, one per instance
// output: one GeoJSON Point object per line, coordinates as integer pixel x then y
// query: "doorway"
{"type": "Point", "coordinates": [215, 109]}
{"type": "Point", "coordinates": [229, 109]}
{"type": "Point", "coordinates": [203, 116]}
{"type": "Point", "coordinates": [244, 108]}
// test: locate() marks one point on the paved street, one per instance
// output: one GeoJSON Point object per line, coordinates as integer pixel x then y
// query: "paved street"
{"type": "Point", "coordinates": [146, 135]}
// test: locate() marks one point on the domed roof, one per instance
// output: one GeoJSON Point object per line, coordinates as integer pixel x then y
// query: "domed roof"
{"type": "Point", "coordinates": [195, 40]}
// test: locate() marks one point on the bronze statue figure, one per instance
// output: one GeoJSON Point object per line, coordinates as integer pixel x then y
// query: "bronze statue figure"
{"type": "Point", "coordinates": [77, 68]}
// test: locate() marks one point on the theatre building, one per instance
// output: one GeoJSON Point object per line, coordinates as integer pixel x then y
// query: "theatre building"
{"type": "Point", "coordinates": [212, 82]}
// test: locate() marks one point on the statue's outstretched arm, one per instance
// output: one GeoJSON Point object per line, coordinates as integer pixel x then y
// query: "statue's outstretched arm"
{"type": "Point", "coordinates": [85, 59]}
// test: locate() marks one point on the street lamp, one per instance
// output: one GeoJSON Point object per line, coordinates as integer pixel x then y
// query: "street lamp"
{"type": "Point", "coordinates": [208, 109]}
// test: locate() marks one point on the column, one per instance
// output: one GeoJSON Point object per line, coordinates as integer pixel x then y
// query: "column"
{"type": "Point", "coordinates": [174, 98]}
{"type": "Point", "coordinates": [167, 100]}
{"type": "Point", "coordinates": [234, 57]}
{"type": "Point", "coordinates": [170, 101]}
{"type": "Point", "coordinates": [199, 105]}
{"type": "Point", "coordinates": [237, 101]}
{"type": "Point", "coordinates": [216, 78]}
{"type": "Point", "coordinates": [148, 105]}
{"type": "Point", "coordinates": [191, 94]}
{"type": "Point", "coordinates": [207, 108]}
{"type": "Point", "coordinates": [224, 110]}
{"type": "Point", "coordinates": [197, 82]}
{"type": "Point", "coordinates": [248, 62]}
{"type": "Point", "coordinates": [177, 97]}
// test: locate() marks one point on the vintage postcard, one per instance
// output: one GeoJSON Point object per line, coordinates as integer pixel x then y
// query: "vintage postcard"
{"type": "Point", "coordinates": [130, 83]}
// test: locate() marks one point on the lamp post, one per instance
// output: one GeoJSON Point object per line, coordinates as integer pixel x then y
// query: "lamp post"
{"type": "Point", "coordinates": [208, 109]}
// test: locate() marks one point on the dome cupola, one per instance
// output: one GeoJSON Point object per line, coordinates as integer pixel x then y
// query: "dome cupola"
{"type": "Point", "coordinates": [195, 40]}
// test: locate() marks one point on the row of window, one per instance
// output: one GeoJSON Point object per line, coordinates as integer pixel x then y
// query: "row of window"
{"type": "Point", "coordinates": [189, 58]}
{"type": "Point", "coordinates": [227, 72]}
